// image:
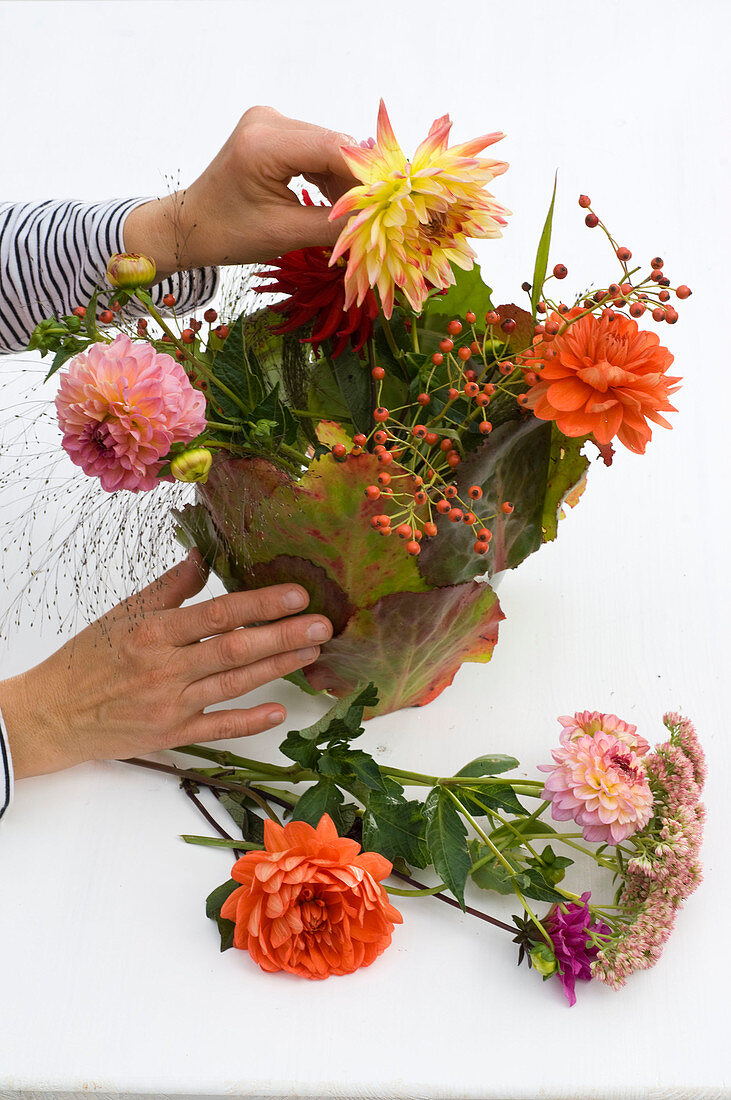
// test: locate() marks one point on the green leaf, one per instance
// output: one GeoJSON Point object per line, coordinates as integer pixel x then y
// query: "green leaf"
{"type": "Point", "coordinates": [239, 807]}
{"type": "Point", "coordinates": [532, 884]}
{"type": "Point", "coordinates": [362, 765]}
{"type": "Point", "coordinates": [90, 315]}
{"type": "Point", "coordinates": [446, 837]}
{"type": "Point", "coordinates": [544, 245]}
{"type": "Point", "coordinates": [354, 382]}
{"type": "Point", "coordinates": [214, 901]}
{"type": "Point", "coordinates": [71, 347]}
{"type": "Point", "coordinates": [395, 828]}
{"type": "Point", "coordinates": [504, 836]}
{"type": "Point", "coordinates": [343, 720]}
{"type": "Point", "coordinates": [469, 292]}
{"type": "Point", "coordinates": [496, 796]}
{"type": "Point", "coordinates": [322, 798]}
{"type": "Point", "coordinates": [493, 875]}
{"type": "Point", "coordinates": [491, 764]}
{"type": "Point", "coordinates": [567, 468]}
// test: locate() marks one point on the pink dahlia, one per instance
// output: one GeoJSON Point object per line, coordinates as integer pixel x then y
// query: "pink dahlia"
{"type": "Point", "coordinates": [599, 782]}
{"type": "Point", "coordinates": [121, 406]}
{"type": "Point", "coordinates": [591, 721]}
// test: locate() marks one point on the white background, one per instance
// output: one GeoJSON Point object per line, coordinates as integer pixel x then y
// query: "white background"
{"type": "Point", "coordinates": [110, 978]}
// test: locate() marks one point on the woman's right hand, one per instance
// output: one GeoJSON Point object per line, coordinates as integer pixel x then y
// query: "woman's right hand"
{"type": "Point", "coordinates": [138, 679]}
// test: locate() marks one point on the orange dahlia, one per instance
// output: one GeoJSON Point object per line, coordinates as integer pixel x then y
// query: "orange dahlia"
{"type": "Point", "coordinates": [311, 902]}
{"type": "Point", "coordinates": [411, 219]}
{"type": "Point", "coordinates": [601, 376]}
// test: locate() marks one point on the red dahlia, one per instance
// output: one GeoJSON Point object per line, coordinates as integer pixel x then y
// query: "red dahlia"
{"type": "Point", "coordinates": [316, 295]}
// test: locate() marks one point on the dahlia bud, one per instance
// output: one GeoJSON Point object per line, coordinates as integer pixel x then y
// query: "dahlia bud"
{"type": "Point", "coordinates": [129, 270]}
{"type": "Point", "coordinates": [544, 960]}
{"type": "Point", "coordinates": [192, 465]}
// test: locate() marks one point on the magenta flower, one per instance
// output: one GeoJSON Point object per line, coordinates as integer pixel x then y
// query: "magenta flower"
{"type": "Point", "coordinates": [121, 406]}
{"type": "Point", "coordinates": [570, 933]}
{"type": "Point", "coordinates": [599, 782]}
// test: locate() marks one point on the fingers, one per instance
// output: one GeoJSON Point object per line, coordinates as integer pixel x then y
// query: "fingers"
{"type": "Point", "coordinates": [237, 648]}
{"type": "Point", "coordinates": [226, 613]}
{"type": "Point", "coordinates": [224, 724]}
{"type": "Point", "coordinates": [311, 151]}
{"type": "Point", "coordinates": [235, 682]}
{"type": "Point", "coordinates": [184, 580]}
{"type": "Point", "coordinates": [297, 226]}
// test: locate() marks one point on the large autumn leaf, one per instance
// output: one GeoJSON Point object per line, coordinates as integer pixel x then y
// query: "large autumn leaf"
{"type": "Point", "coordinates": [410, 644]}
{"type": "Point", "coordinates": [262, 514]}
{"type": "Point", "coordinates": [522, 463]}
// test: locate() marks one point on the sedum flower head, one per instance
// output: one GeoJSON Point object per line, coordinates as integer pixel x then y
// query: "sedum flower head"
{"type": "Point", "coordinates": [410, 220]}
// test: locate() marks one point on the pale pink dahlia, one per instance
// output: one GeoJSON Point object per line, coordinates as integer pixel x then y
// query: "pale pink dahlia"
{"type": "Point", "coordinates": [599, 782]}
{"type": "Point", "coordinates": [121, 406]}
{"type": "Point", "coordinates": [591, 721]}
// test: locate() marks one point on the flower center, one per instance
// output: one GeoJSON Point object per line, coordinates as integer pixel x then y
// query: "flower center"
{"type": "Point", "coordinates": [313, 912]}
{"type": "Point", "coordinates": [434, 228]}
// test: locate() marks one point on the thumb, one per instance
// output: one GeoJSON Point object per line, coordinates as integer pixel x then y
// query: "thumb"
{"type": "Point", "coordinates": [184, 580]}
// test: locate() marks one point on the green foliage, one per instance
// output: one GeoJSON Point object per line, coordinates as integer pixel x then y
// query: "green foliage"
{"type": "Point", "coordinates": [324, 797]}
{"type": "Point", "coordinates": [490, 764]}
{"type": "Point", "coordinates": [396, 828]}
{"type": "Point", "coordinates": [241, 810]}
{"type": "Point", "coordinates": [469, 292]}
{"type": "Point", "coordinates": [495, 796]}
{"type": "Point", "coordinates": [353, 378]}
{"type": "Point", "coordinates": [214, 902]}
{"type": "Point", "coordinates": [544, 245]}
{"type": "Point", "coordinates": [493, 875]}
{"type": "Point", "coordinates": [532, 884]}
{"type": "Point", "coordinates": [446, 838]}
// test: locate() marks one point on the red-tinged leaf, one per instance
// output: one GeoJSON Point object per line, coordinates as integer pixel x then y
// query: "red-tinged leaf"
{"type": "Point", "coordinates": [410, 644]}
{"type": "Point", "coordinates": [522, 337]}
{"type": "Point", "coordinates": [324, 518]}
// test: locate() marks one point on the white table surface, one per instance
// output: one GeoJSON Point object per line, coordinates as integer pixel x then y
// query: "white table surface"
{"type": "Point", "coordinates": [110, 977]}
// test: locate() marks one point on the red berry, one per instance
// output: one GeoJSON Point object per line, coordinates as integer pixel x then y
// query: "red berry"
{"type": "Point", "coordinates": [470, 317]}
{"type": "Point", "coordinates": [168, 300]}
{"type": "Point", "coordinates": [384, 521]}
{"type": "Point", "coordinates": [469, 518]}
{"type": "Point", "coordinates": [187, 336]}
{"type": "Point", "coordinates": [453, 459]}
{"type": "Point", "coordinates": [412, 548]}
{"type": "Point", "coordinates": [492, 318]}
{"type": "Point", "coordinates": [541, 307]}
{"type": "Point", "coordinates": [380, 414]}
{"type": "Point", "coordinates": [445, 445]}
{"type": "Point", "coordinates": [210, 315]}
{"type": "Point", "coordinates": [658, 314]}
{"type": "Point", "coordinates": [446, 345]}
{"type": "Point", "coordinates": [106, 316]}
{"type": "Point", "coordinates": [474, 492]}
{"type": "Point", "coordinates": [404, 531]}
{"type": "Point", "coordinates": [450, 491]}
{"type": "Point", "coordinates": [443, 506]}
{"type": "Point", "coordinates": [591, 220]}
{"type": "Point", "coordinates": [656, 264]}
{"type": "Point", "coordinates": [484, 427]}
{"type": "Point", "coordinates": [221, 332]}
{"type": "Point", "coordinates": [452, 393]}
{"type": "Point", "coordinates": [522, 399]}
{"type": "Point", "coordinates": [472, 389]}
{"type": "Point", "coordinates": [584, 202]}
{"type": "Point", "coordinates": [385, 457]}
{"type": "Point", "coordinates": [374, 519]}
{"type": "Point", "coordinates": [480, 547]}
{"type": "Point", "coordinates": [339, 450]}
{"type": "Point", "coordinates": [455, 515]}
{"type": "Point", "coordinates": [636, 309]}
{"type": "Point", "coordinates": [417, 480]}
{"type": "Point", "coordinates": [475, 348]}
{"type": "Point", "coordinates": [482, 400]}
{"type": "Point", "coordinates": [360, 440]}
{"type": "Point", "coordinates": [560, 271]}
{"type": "Point", "coordinates": [383, 477]}
{"type": "Point", "coordinates": [419, 432]}
{"type": "Point", "coordinates": [671, 315]}
{"type": "Point", "coordinates": [683, 292]}
{"type": "Point", "coordinates": [424, 399]}
{"type": "Point", "coordinates": [552, 328]}
{"type": "Point", "coordinates": [507, 507]}
{"type": "Point", "coordinates": [418, 536]}
{"type": "Point", "coordinates": [508, 325]}
{"type": "Point", "coordinates": [378, 373]}
{"type": "Point", "coordinates": [484, 535]}
{"type": "Point", "coordinates": [80, 312]}
{"type": "Point", "coordinates": [420, 497]}
{"type": "Point", "coordinates": [437, 358]}
{"type": "Point", "coordinates": [623, 254]}
{"type": "Point", "coordinates": [385, 531]}
{"type": "Point", "coordinates": [380, 437]}
{"type": "Point", "coordinates": [454, 328]}
{"type": "Point", "coordinates": [430, 529]}
{"type": "Point", "coordinates": [464, 354]}
{"type": "Point", "coordinates": [664, 295]}
{"type": "Point", "coordinates": [372, 492]}
{"type": "Point", "coordinates": [431, 438]}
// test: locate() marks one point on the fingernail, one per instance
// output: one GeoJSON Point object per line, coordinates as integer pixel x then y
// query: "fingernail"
{"type": "Point", "coordinates": [308, 654]}
{"type": "Point", "coordinates": [274, 717]}
{"type": "Point", "coordinates": [318, 632]}
{"type": "Point", "coordinates": [295, 598]}
{"type": "Point", "coordinates": [346, 139]}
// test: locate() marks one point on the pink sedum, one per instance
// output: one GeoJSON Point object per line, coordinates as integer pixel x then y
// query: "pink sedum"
{"type": "Point", "coordinates": [121, 406]}
{"type": "Point", "coordinates": [601, 783]}
{"type": "Point", "coordinates": [591, 721]}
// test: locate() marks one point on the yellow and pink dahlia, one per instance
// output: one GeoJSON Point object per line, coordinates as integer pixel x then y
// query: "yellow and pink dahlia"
{"type": "Point", "coordinates": [411, 219]}
{"type": "Point", "coordinates": [121, 406]}
{"type": "Point", "coordinates": [601, 784]}
{"type": "Point", "coordinates": [591, 722]}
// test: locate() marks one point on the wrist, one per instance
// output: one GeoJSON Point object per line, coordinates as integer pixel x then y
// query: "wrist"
{"type": "Point", "coordinates": [158, 229]}
{"type": "Point", "coordinates": [34, 730]}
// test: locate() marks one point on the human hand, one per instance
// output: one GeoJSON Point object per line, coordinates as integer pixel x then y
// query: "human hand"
{"type": "Point", "coordinates": [137, 680]}
{"type": "Point", "coordinates": [241, 209]}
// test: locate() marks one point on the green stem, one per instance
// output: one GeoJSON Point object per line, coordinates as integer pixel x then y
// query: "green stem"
{"type": "Point", "coordinates": [213, 842]}
{"type": "Point", "coordinates": [425, 893]}
{"type": "Point", "coordinates": [230, 759]}
{"type": "Point", "coordinates": [390, 340]}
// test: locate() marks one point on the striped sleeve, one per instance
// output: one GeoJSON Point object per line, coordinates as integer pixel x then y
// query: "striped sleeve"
{"type": "Point", "coordinates": [54, 254]}
{"type": "Point", "coordinates": [6, 770]}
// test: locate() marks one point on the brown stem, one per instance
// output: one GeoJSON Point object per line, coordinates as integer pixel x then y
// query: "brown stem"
{"type": "Point", "coordinates": [451, 901]}
{"type": "Point", "coordinates": [209, 817]}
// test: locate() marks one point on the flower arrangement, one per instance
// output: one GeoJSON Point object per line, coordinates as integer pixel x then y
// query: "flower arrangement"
{"type": "Point", "coordinates": [303, 898]}
{"type": "Point", "coordinates": [388, 437]}
{"type": "Point", "coordinates": [383, 435]}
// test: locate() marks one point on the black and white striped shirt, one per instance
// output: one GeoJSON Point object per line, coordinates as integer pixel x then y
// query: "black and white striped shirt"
{"type": "Point", "coordinates": [52, 257]}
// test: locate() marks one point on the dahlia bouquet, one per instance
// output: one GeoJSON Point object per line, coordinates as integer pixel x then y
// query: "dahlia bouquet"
{"type": "Point", "coordinates": [388, 437]}
{"type": "Point", "coordinates": [383, 434]}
